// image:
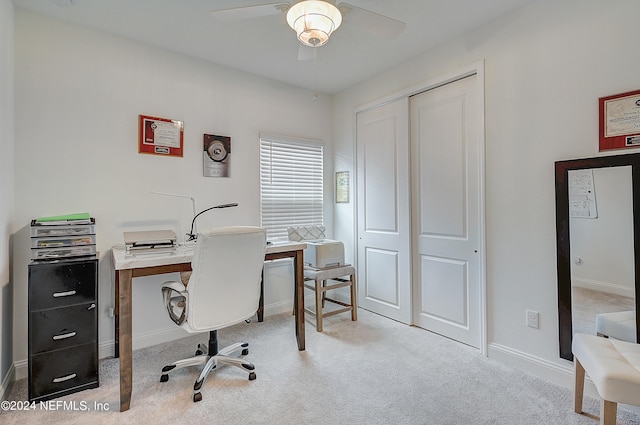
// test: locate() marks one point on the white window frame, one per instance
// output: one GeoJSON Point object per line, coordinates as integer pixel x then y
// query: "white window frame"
{"type": "Point", "coordinates": [291, 184]}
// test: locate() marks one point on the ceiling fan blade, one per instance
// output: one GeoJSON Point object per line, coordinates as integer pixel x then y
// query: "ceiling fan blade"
{"type": "Point", "coordinates": [249, 12]}
{"type": "Point", "coordinates": [306, 53]}
{"type": "Point", "coordinates": [380, 25]}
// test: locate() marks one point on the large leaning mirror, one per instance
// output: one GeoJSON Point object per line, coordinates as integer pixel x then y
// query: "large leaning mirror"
{"type": "Point", "coordinates": [598, 208]}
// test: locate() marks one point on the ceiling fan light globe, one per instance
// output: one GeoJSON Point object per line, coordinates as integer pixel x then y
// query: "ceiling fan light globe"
{"type": "Point", "coordinates": [314, 21]}
{"type": "Point", "coordinates": [313, 38]}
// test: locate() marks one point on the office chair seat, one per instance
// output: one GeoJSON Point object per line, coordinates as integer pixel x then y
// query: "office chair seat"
{"type": "Point", "coordinates": [222, 290]}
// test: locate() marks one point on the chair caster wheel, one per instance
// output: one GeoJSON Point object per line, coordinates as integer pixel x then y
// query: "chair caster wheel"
{"type": "Point", "coordinates": [252, 376]}
{"type": "Point", "coordinates": [197, 397]}
{"type": "Point", "coordinates": [164, 377]}
{"type": "Point", "coordinates": [245, 351]}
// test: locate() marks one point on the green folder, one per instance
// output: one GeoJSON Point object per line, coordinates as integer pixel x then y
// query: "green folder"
{"type": "Point", "coordinates": [66, 217]}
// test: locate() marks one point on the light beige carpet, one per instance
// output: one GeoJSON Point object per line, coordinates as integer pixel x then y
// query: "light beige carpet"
{"type": "Point", "coordinates": [374, 371]}
{"type": "Point", "coordinates": [588, 303]}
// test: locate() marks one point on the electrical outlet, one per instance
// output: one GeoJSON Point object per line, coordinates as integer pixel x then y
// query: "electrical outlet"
{"type": "Point", "coordinates": [532, 319]}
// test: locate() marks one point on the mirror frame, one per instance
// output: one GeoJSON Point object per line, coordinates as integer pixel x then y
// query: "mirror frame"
{"type": "Point", "coordinates": [562, 236]}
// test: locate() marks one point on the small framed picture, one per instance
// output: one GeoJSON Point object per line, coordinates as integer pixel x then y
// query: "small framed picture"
{"type": "Point", "coordinates": [342, 187]}
{"type": "Point", "coordinates": [160, 136]}
{"type": "Point", "coordinates": [216, 155]}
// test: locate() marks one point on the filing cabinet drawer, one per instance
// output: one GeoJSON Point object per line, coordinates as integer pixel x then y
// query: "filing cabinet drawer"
{"type": "Point", "coordinates": [53, 285]}
{"type": "Point", "coordinates": [59, 328]}
{"type": "Point", "coordinates": [57, 371]}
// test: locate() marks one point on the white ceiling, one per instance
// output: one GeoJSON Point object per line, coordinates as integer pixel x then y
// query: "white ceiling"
{"type": "Point", "coordinates": [267, 46]}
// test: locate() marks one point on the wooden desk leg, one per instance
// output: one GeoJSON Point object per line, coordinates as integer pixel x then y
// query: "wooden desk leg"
{"type": "Point", "coordinates": [124, 297]}
{"type": "Point", "coordinates": [116, 314]}
{"type": "Point", "coordinates": [298, 298]}
{"type": "Point", "coordinates": [261, 303]}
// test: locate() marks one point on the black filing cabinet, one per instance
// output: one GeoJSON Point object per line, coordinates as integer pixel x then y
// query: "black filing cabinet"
{"type": "Point", "coordinates": [63, 327]}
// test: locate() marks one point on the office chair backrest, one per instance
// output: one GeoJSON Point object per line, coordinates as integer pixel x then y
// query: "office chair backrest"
{"type": "Point", "coordinates": [224, 287]}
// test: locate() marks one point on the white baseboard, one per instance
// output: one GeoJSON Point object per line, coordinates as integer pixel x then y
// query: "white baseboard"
{"type": "Point", "coordinates": [595, 285]}
{"type": "Point", "coordinates": [21, 368]}
{"type": "Point", "coordinates": [7, 380]}
{"type": "Point", "coordinates": [558, 373]}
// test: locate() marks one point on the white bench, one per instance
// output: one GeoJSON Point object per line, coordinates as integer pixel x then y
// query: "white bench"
{"type": "Point", "coordinates": [614, 368]}
{"type": "Point", "coordinates": [619, 325]}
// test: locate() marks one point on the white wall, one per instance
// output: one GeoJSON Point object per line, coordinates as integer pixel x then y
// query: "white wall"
{"type": "Point", "coordinates": [6, 189]}
{"type": "Point", "coordinates": [545, 67]}
{"type": "Point", "coordinates": [78, 96]}
{"type": "Point", "coordinates": [605, 244]}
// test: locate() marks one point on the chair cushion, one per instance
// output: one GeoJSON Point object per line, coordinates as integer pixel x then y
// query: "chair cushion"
{"type": "Point", "coordinates": [328, 273]}
{"type": "Point", "coordinates": [612, 365]}
{"type": "Point", "coordinates": [619, 325]}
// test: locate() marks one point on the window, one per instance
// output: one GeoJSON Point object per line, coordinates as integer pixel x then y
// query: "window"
{"type": "Point", "coordinates": [291, 184]}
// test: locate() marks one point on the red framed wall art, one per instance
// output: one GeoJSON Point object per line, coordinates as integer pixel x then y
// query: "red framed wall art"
{"type": "Point", "coordinates": [160, 136]}
{"type": "Point", "coordinates": [620, 121]}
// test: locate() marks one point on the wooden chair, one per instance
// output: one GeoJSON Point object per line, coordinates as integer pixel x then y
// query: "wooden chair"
{"type": "Point", "coordinates": [326, 279]}
{"type": "Point", "coordinates": [341, 276]}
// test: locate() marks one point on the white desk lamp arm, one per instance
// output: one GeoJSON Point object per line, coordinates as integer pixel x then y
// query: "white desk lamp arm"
{"type": "Point", "coordinates": [177, 195]}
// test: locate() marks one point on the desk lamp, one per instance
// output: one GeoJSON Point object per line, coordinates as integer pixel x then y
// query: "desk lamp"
{"type": "Point", "coordinates": [194, 236]}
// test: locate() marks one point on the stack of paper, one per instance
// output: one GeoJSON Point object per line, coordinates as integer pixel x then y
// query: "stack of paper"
{"type": "Point", "coordinates": [76, 218]}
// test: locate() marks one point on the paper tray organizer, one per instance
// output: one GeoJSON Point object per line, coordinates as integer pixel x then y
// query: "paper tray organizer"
{"type": "Point", "coordinates": [49, 242]}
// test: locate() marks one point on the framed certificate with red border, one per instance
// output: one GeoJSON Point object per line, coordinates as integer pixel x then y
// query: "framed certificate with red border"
{"type": "Point", "coordinates": [160, 136]}
{"type": "Point", "coordinates": [620, 121]}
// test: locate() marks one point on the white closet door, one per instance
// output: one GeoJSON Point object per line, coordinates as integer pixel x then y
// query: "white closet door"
{"type": "Point", "coordinates": [446, 183]}
{"type": "Point", "coordinates": [384, 241]}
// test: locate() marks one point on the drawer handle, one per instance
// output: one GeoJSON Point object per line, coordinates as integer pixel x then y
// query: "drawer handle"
{"type": "Point", "coordinates": [64, 336]}
{"type": "Point", "coordinates": [64, 378]}
{"type": "Point", "coordinates": [92, 306]}
{"type": "Point", "coordinates": [63, 294]}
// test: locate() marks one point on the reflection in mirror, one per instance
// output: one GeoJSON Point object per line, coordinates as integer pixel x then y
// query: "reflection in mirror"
{"type": "Point", "coordinates": [597, 238]}
{"type": "Point", "coordinates": [601, 235]}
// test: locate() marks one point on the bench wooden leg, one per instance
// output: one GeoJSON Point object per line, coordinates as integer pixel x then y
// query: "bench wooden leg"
{"type": "Point", "coordinates": [579, 387]}
{"type": "Point", "coordinates": [319, 304]}
{"type": "Point", "coordinates": [608, 412]}
{"type": "Point", "coordinates": [354, 304]}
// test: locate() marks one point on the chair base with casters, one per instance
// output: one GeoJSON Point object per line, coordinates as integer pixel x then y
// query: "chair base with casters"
{"type": "Point", "coordinates": [614, 368]}
{"type": "Point", "coordinates": [341, 277]}
{"type": "Point", "coordinates": [210, 357]}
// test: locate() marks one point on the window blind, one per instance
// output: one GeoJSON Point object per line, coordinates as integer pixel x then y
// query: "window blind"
{"type": "Point", "coordinates": [291, 185]}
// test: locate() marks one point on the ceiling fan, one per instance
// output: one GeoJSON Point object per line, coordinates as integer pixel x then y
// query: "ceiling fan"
{"type": "Point", "coordinates": [315, 20]}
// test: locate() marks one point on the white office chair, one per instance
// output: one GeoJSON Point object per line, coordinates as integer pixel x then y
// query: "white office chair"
{"type": "Point", "coordinates": [223, 289]}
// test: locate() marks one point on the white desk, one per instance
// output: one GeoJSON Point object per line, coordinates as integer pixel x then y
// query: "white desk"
{"type": "Point", "coordinates": [127, 266]}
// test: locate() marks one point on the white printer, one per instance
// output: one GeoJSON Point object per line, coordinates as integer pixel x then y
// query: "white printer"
{"type": "Point", "coordinates": [322, 253]}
